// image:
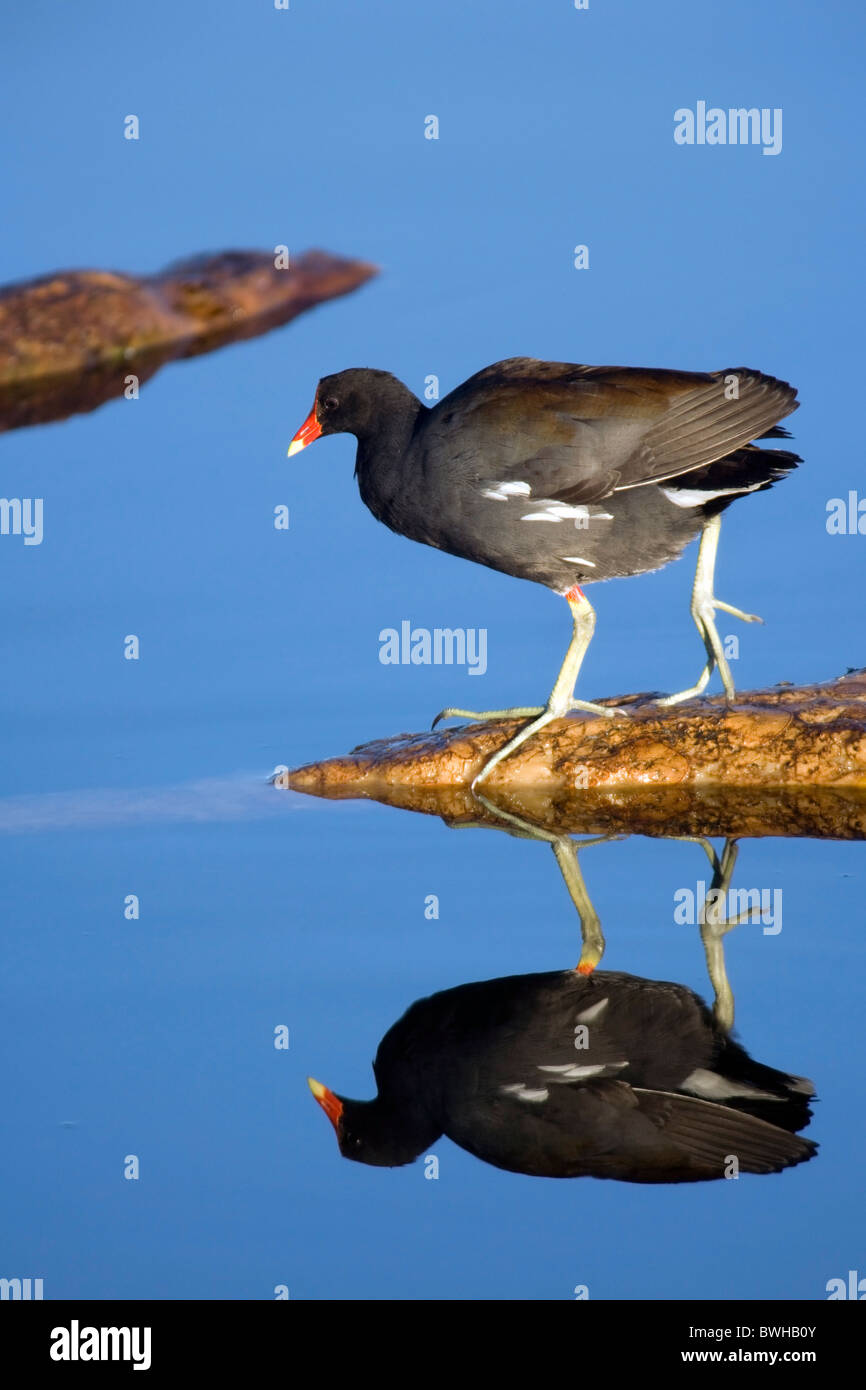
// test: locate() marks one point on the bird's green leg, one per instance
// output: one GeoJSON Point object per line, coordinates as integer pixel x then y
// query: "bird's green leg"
{"type": "Point", "coordinates": [566, 851]}
{"type": "Point", "coordinates": [715, 925]}
{"type": "Point", "coordinates": [703, 608]}
{"type": "Point", "coordinates": [591, 934]}
{"type": "Point", "coordinates": [561, 700]}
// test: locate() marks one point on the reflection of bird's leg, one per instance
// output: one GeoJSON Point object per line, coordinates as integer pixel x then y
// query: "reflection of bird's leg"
{"type": "Point", "coordinates": [566, 851]}
{"type": "Point", "coordinates": [591, 934]}
{"type": "Point", "coordinates": [703, 609]}
{"type": "Point", "coordinates": [714, 925]}
{"type": "Point", "coordinates": [705, 844]}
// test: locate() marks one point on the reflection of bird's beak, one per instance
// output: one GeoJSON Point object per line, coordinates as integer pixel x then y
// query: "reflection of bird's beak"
{"type": "Point", "coordinates": [310, 430]}
{"type": "Point", "coordinates": [331, 1104]}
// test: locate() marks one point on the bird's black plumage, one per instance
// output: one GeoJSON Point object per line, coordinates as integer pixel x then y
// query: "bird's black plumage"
{"type": "Point", "coordinates": [559, 473]}
{"type": "Point", "coordinates": [558, 1075]}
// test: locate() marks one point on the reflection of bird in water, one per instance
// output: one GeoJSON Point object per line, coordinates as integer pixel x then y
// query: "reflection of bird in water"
{"type": "Point", "coordinates": [714, 923]}
{"type": "Point", "coordinates": [558, 1075]}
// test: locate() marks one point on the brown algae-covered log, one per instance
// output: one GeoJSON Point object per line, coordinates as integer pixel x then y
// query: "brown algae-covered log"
{"type": "Point", "coordinates": [784, 761]}
{"type": "Point", "coordinates": [70, 341]}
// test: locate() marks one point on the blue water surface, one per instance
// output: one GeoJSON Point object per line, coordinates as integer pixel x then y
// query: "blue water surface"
{"type": "Point", "coordinates": [154, 1036]}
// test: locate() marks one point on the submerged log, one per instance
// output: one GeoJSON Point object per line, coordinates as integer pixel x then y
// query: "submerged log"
{"type": "Point", "coordinates": [784, 761]}
{"type": "Point", "coordinates": [69, 341]}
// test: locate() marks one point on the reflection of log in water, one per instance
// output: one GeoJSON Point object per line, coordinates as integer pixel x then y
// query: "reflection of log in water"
{"type": "Point", "coordinates": [786, 761]}
{"type": "Point", "coordinates": [70, 341]}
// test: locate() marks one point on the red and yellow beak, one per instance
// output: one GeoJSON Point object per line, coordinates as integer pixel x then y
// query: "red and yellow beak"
{"type": "Point", "coordinates": [310, 430]}
{"type": "Point", "coordinates": [331, 1104]}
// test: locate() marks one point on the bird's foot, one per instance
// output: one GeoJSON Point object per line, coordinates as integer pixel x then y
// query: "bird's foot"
{"type": "Point", "coordinates": [538, 715]}
{"type": "Point", "coordinates": [704, 609]}
{"type": "Point", "coordinates": [478, 716]}
{"type": "Point", "coordinates": [542, 718]}
{"type": "Point", "coordinates": [588, 707]}
{"type": "Point", "coordinates": [693, 691]}
{"type": "Point", "coordinates": [716, 603]}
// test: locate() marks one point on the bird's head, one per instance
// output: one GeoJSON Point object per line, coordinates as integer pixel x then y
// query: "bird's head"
{"type": "Point", "coordinates": [369, 1132]}
{"type": "Point", "coordinates": [359, 401]}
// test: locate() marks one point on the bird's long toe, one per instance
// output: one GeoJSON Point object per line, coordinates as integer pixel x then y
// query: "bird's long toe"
{"type": "Point", "coordinates": [589, 707]}
{"type": "Point", "coordinates": [478, 716]}
{"type": "Point", "coordinates": [735, 612]}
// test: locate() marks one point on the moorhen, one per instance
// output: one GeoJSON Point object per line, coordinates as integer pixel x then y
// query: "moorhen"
{"type": "Point", "coordinates": [634, 462]}
{"type": "Point", "coordinates": [561, 1076]}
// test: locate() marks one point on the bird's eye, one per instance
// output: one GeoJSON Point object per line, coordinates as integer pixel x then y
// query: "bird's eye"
{"type": "Point", "coordinates": [330, 403]}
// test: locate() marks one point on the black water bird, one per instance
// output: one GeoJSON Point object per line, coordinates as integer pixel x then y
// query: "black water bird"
{"type": "Point", "coordinates": [559, 1075]}
{"type": "Point", "coordinates": [565, 475]}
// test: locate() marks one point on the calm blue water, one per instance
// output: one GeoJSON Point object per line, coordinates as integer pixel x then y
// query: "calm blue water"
{"type": "Point", "coordinates": [154, 1037]}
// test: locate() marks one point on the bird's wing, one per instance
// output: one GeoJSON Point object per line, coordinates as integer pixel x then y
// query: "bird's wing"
{"type": "Point", "coordinates": [707, 422]}
{"type": "Point", "coordinates": [714, 1135]}
{"type": "Point", "coordinates": [575, 434]}
{"type": "Point", "coordinates": [544, 1130]}
{"type": "Point", "coordinates": [605, 1128]}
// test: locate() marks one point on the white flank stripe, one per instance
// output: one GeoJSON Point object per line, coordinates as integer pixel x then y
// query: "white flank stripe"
{"type": "Point", "coordinates": [500, 492]}
{"type": "Point", "coordinates": [522, 1092]}
{"type": "Point", "coordinates": [557, 511]}
{"type": "Point", "coordinates": [577, 1073]}
{"type": "Point", "coordinates": [565, 511]}
{"type": "Point", "coordinates": [591, 1014]}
